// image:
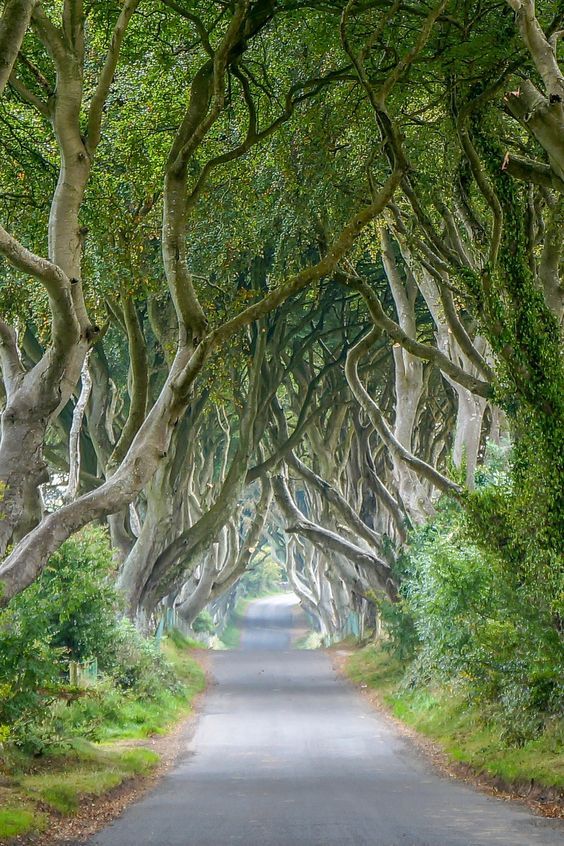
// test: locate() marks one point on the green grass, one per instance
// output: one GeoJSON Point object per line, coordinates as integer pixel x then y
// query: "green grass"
{"type": "Point", "coordinates": [231, 635]}
{"type": "Point", "coordinates": [67, 775]}
{"type": "Point", "coordinates": [311, 640]}
{"type": "Point", "coordinates": [18, 821]}
{"type": "Point", "coordinates": [375, 668]}
{"type": "Point", "coordinates": [459, 727]}
{"type": "Point", "coordinates": [122, 716]}
{"type": "Point", "coordinates": [88, 771]}
{"type": "Point", "coordinates": [178, 639]}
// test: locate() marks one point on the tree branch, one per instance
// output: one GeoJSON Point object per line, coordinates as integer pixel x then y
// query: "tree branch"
{"type": "Point", "coordinates": [424, 351]}
{"type": "Point", "coordinates": [139, 374]}
{"type": "Point", "coordinates": [323, 268]}
{"type": "Point", "coordinates": [14, 22]}
{"type": "Point", "coordinates": [56, 283]}
{"type": "Point", "coordinates": [107, 75]}
{"type": "Point", "coordinates": [530, 171]}
{"type": "Point", "coordinates": [542, 51]}
{"type": "Point", "coordinates": [378, 421]}
{"type": "Point", "coordinates": [29, 97]}
{"type": "Point", "coordinates": [10, 361]}
{"type": "Point", "coordinates": [74, 435]}
{"type": "Point", "coordinates": [330, 541]}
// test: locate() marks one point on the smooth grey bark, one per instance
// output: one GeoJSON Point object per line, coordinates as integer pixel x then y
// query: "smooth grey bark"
{"type": "Point", "coordinates": [234, 556]}
{"type": "Point", "coordinates": [313, 594]}
{"type": "Point", "coordinates": [328, 541]}
{"type": "Point", "coordinates": [325, 450]}
{"type": "Point", "coordinates": [471, 408]}
{"type": "Point", "coordinates": [248, 548]}
{"type": "Point", "coordinates": [165, 510]}
{"type": "Point", "coordinates": [342, 507]}
{"type": "Point", "coordinates": [152, 440]}
{"type": "Point", "coordinates": [380, 424]}
{"type": "Point", "coordinates": [16, 16]}
{"type": "Point", "coordinates": [199, 596]}
{"type": "Point", "coordinates": [549, 264]}
{"type": "Point", "coordinates": [101, 408]}
{"type": "Point", "coordinates": [46, 388]}
{"type": "Point", "coordinates": [542, 114]}
{"type": "Point", "coordinates": [177, 559]}
{"type": "Point", "coordinates": [74, 436]}
{"type": "Point", "coordinates": [409, 384]}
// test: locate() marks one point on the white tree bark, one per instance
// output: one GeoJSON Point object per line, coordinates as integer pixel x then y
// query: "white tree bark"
{"type": "Point", "coordinates": [74, 438]}
{"type": "Point", "coordinates": [14, 22]}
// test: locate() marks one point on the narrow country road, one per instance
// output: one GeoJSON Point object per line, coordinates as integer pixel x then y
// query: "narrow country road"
{"type": "Point", "coordinates": [287, 754]}
{"type": "Point", "coordinates": [269, 623]}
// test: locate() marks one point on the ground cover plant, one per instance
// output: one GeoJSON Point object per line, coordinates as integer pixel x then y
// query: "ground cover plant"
{"type": "Point", "coordinates": [471, 654]}
{"type": "Point", "coordinates": [60, 741]}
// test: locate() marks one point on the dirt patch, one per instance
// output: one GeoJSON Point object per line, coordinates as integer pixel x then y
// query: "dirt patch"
{"type": "Point", "coordinates": [547, 802]}
{"type": "Point", "coordinates": [99, 811]}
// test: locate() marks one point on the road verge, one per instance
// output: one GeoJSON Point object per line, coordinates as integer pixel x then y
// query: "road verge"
{"type": "Point", "coordinates": [454, 735]}
{"type": "Point", "coordinates": [79, 787]}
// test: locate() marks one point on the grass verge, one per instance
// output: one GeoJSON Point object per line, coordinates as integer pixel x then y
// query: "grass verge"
{"type": "Point", "coordinates": [17, 821]}
{"type": "Point", "coordinates": [459, 727]}
{"type": "Point", "coordinates": [138, 718]}
{"type": "Point", "coordinates": [35, 791]}
{"type": "Point", "coordinates": [310, 640]}
{"type": "Point", "coordinates": [84, 772]}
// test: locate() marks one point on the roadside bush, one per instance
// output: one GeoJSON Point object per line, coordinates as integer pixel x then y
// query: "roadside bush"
{"type": "Point", "coordinates": [203, 623]}
{"type": "Point", "coordinates": [135, 663]}
{"type": "Point", "coordinates": [81, 601]}
{"type": "Point", "coordinates": [463, 620]}
{"type": "Point", "coordinates": [30, 673]}
{"type": "Point", "coordinates": [67, 614]}
{"type": "Point", "coordinates": [72, 613]}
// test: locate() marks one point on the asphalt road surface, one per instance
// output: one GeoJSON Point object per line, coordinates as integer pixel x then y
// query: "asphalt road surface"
{"type": "Point", "coordinates": [287, 754]}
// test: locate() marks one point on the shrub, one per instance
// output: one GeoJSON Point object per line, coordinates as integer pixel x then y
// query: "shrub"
{"type": "Point", "coordinates": [135, 663]}
{"type": "Point", "coordinates": [30, 676]}
{"type": "Point", "coordinates": [71, 613]}
{"type": "Point", "coordinates": [82, 601]}
{"type": "Point", "coordinates": [203, 623]}
{"type": "Point", "coordinates": [463, 619]}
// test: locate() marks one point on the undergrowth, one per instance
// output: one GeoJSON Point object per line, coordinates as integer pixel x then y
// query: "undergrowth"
{"type": "Point", "coordinates": [59, 742]}
{"type": "Point", "coordinates": [465, 731]}
{"type": "Point", "coordinates": [90, 757]}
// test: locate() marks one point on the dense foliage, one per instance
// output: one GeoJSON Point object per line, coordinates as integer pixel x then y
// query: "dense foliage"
{"type": "Point", "coordinates": [263, 577]}
{"type": "Point", "coordinates": [280, 272]}
{"type": "Point", "coordinates": [71, 614]}
{"type": "Point", "coordinates": [464, 620]}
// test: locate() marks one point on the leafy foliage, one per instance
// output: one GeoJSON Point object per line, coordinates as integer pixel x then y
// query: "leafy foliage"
{"type": "Point", "coordinates": [464, 619]}
{"type": "Point", "coordinates": [263, 577]}
{"type": "Point", "coordinates": [70, 613]}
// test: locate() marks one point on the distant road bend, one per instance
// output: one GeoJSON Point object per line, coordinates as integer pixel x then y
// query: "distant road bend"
{"type": "Point", "coordinates": [287, 754]}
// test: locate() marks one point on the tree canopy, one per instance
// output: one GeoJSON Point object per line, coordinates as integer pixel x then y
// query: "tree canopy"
{"type": "Point", "coordinates": [279, 273]}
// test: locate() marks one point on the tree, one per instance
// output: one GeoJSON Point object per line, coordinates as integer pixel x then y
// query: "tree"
{"type": "Point", "coordinates": [355, 284]}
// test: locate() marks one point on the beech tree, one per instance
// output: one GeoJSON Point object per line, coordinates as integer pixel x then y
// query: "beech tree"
{"type": "Point", "coordinates": [35, 397]}
{"type": "Point", "coordinates": [278, 270]}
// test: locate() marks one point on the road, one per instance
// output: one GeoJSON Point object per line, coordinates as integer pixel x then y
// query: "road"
{"type": "Point", "coordinates": [287, 754]}
{"type": "Point", "coordinates": [269, 623]}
